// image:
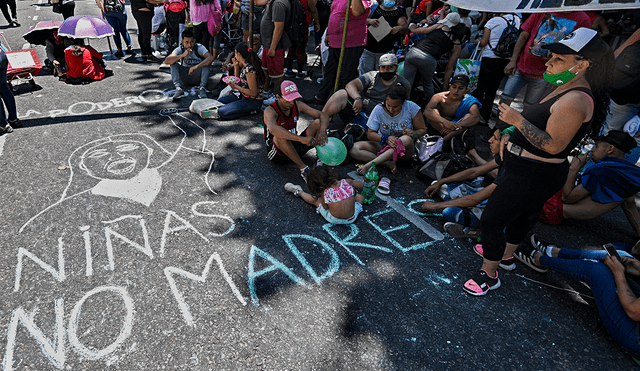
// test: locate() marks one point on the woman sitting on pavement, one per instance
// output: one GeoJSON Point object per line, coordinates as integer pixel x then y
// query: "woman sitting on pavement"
{"type": "Point", "coordinates": [615, 296]}
{"type": "Point", "coordinates": [243, 102]}
{"type": "Point", "coordinates": [84, 64]}
{"type": "Point", "coordinates": [393, 126]}
{"type": "Point", "coordinates": [535, 159]}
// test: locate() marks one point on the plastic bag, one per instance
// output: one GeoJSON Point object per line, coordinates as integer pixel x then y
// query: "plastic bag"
{"type": "Point", "coordinates": [471, 68]}
{"type": "Point", "coordinates": [426, 147]}
{"type": "Point", "coordinates": [158, 19]}
{"type": "Point", "coordinates": [205, 108]}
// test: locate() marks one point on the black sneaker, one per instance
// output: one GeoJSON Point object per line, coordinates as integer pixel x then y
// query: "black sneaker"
{"type": "Point", "coordinates": [481, 283]}
{"type": "Point", "coordinates": [525, 254]}
{"type": "Point", "coordinates": [15, 123]}
{"type": "Point", "coordinates": [289, 74]}
{"type": "Point", "coordinates": [540, 245]}
{"type": "Point", "coordinates": [6, 130]}
{"type": "Point", "coordinates": [507, 264]}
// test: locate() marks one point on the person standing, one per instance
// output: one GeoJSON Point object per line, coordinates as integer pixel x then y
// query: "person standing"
{"type": "Point", "coordinates": [535, 159]}
{"type": "Point", "coordinates": [356, 39]}
{"type": "Point", "coordinates": [394, 15]}
{"type": "Point", "coordinates": [6, 126]}
{"type": "Point", "coordinates": [275, 41]}
{"type": "Point", "coordinates": [68, 8]}
{"type": "Point", "coordinates": [5, 5]}
{"type": "Point", "coordinates": [116, 14]}
{"type": "Point", "coordinates": [142, 11]}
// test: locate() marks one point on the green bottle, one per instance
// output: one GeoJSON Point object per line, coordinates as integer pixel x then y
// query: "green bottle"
{"type": "Point", "coordinates": [370, 183]}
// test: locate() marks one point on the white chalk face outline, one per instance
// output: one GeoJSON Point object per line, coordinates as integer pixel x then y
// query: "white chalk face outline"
{"type": "Point", "coordinates": [118, 160]}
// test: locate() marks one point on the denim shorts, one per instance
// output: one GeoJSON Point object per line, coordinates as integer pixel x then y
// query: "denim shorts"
{"type": "Point", "coordinates": [332, 219]}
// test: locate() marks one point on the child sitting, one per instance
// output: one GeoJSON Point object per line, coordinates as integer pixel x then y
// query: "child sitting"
{"type": "Point", "coordinates": [334, 198]}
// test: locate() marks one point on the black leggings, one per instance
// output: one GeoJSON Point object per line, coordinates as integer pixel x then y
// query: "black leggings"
{"type": "Point", "coordinates": [143, 19]}
{"type": "Point", "coordinates": [5, 11]}
{"type": "Point", "coordinates": [515, 205]}
{"type": "Point", "coordinates": [202, 35]}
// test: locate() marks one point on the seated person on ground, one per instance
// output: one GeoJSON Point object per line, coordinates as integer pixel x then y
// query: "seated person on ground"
{"type": "Point", "coordinates": [463, 213]}
{"type": "Point", "coordinates": [280, 132]}
{"type": "Point", "coordinates": [242, 101]}
{"type": "Point", "coordinates": [611, 182]}
{"type": "Point", "coordinates": [393, 126]}
{"type": "Point", "coordinates": [367, 91]}
{"type": "Point", "coordinates": [334, 198]}
{"type": "Point", "coordinates": [84, 63]}
{"type": "Point", "coordinates": [189, 65]}
{"type": "Point", "coordinates": [54, 47]}
{"type": "Point", "coordinates": [452, 112]}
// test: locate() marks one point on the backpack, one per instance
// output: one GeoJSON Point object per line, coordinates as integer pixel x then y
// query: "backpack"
{"type": "Point", "coordinates": [113, 6]}
{"type": "Point", "coordinates": [625, 87]}
{"type": "Point", "coordinates": [294, 26]}
{"type": "Point", "coordinates": [507, 40]}
{"type": "Point", "coordinates": [442, 165]}
{"type": "Point", "coordinates": [175, 6]}
{"type": "Point", "coordinates": [195, 51]}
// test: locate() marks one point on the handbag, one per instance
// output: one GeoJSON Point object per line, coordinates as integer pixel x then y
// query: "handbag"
{"type": "Point", "coordinates": [443, 165]}
{"type": "Point", "coordinates": [471, 68]}
{"type": "Point", "coordinates": [214, 20]}
{"type": "Point", "coordinates": [57, 7]}
{"type": "Point", "coordinates": [426, 147]}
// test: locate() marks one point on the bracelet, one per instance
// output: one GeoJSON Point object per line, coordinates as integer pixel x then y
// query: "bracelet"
{"type": "Point", "coordinates": [355, 99]}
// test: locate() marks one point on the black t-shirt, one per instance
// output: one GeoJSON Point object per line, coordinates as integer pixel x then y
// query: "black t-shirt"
{"type": "Point", "coordinates": [387, 43]}
{"type": "Point", "coordinates": [138, 4]}
{"type": "Point", "coordinates": [437, 43]}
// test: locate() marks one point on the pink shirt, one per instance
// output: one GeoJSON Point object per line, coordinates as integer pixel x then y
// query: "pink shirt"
{"type": "Point", "coordinates": [343, 192]}
{"type": "Point", "coordinates": [356, 30]}
{"type": "Point", "coordinates": [199, 13]}
{"type": "Point", "coordinates": [543, 27]}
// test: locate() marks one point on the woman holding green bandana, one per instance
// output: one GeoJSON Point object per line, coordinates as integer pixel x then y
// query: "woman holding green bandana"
{"type": "Point", "coordinates": [535, 154]}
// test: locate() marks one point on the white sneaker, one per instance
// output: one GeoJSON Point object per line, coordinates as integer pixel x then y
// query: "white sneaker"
{"type": "Point", "coordinates": [202, 93]}
{"type": "Point", "coordinates": [293, 188]}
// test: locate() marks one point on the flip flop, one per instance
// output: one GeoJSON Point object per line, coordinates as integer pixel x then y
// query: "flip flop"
{"type": "Point", "coordinates": [384, 186]}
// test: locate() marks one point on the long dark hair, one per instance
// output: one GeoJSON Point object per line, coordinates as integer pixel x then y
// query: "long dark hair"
{"type": "Point", "coordinates": [599, 75]}
{"type": "Point", "coordinates": [319, 179]}
{"type": "Point", "coordinates": [252, 58]}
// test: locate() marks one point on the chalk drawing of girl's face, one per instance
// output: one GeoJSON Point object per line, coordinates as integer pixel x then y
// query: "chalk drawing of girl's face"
{"type": "Point", "coordinates": [116, 159]}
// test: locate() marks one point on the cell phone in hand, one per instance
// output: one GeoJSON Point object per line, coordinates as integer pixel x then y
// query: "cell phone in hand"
{"type": "Point", "coordinates": [611, 250]}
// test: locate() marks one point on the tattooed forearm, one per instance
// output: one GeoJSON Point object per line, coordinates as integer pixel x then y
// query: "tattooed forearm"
{"type": "Point", "coordinates": [539, 138]}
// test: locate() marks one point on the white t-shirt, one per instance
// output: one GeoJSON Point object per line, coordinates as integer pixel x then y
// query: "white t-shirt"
{"type": "Point", "coordinates": [193, 59]}
{"type": "Point", "coordinates": [497, 25]}
{"type": "Point", "coordinates": [385, 124]}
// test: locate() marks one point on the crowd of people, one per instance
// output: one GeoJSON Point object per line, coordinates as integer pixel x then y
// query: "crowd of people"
{"type": "Point", "coordinates": [389, 74]}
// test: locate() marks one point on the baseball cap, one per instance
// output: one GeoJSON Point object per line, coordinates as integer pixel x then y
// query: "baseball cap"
{"type": "Point", "coordinates": [452, 19]}
{"type": "Point", "coordinates": [583, 41]}
{"type": "Point", "coordinates": [619, 139]}
{"type": "Point", "coordinates": [289, 91]}
{"type": "Point", "coordinates": [388, 59]}
{"type": "Point", "coordinates": [463, 79]}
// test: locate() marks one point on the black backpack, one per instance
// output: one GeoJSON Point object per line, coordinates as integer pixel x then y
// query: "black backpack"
{"type": "Point", "coordinates": [625, 87]}
{"type": "Point", "coordinates": [294, 26]}
{"type": "Point", "coordinates": [507, 40]}
{"type": "Point", "coordinates": [442, 165]}
{"type": "Point", "coordinates": [113, 6]}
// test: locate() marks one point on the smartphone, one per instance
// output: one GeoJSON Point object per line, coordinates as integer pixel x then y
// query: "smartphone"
{"type": "Point", "coordinates": [611, 250]}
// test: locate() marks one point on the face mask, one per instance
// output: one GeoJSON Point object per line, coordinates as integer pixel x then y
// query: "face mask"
{"type": "Point", "coordinates": [386, 76]}
{"type": "Point", "coordinates": [389, 3]}
{"type": "Point", "coordinates": [561, 78]}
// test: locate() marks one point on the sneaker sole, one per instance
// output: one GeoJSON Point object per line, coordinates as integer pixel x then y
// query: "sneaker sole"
{"type": "Point", "coordinates": [526, 261]}
{"type": "Point", "coordinates": [537, 246]}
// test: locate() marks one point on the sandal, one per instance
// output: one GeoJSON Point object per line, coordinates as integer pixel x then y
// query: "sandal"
{"type": "Point", "coordinates": [384, 186]}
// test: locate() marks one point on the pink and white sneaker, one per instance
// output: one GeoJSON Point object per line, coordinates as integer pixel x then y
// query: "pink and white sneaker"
{"type": "Point", "coordinates": [481, 283]}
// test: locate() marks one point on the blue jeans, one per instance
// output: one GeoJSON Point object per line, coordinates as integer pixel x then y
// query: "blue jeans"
{"type": "Point", "coordinates": [456, 215]}
{"type": "Point", "coordinates": [5, 92]}
{"type": "Point", "coordinates": [578, 265]}
{"type": "Point", "coordinates": [417, 60]}
{"type": "Point", "coordinates": [618, 115]}
{"type": "Point", "coordinates": [535, 88]}
{"type": "Point", "coordinates": [119, 23]}
{"type": "Point", "coordinates": [369, 61]}
{"type": "Point", "coordinates": [181, 78]}
{"type": "Point", "coordinates": [235, 107]}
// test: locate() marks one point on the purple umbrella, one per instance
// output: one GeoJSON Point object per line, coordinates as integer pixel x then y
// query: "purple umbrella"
{"type": "Point", "coordinates": [42, 31]}
{"type": "Point", "coordinates": [85, 27]}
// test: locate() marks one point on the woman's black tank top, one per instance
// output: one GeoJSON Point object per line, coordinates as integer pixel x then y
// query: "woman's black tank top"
{"type": "Point", "coordinates": [538, 114]}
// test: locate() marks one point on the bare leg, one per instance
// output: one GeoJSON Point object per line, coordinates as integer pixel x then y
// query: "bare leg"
{"type": "Point", "coordinates": [360, 199]}
{"type": "Point", "coordinates": [287, 147]}
{"type": "Point", "coordinates": [587, 209]}
{"type": "Point", "coordinates": [276, 84]}
{"type": "Point", "coordinates": [308, 198]}
{"type": "Point", "coordinates": [336, 103]}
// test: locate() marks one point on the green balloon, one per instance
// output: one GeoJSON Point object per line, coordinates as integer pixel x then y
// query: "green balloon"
{"type": "Point", "coordinates": [333, 153]}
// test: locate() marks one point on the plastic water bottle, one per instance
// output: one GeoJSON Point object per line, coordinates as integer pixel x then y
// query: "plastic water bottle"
{"type": "Point", "coordinates": [370, 183]}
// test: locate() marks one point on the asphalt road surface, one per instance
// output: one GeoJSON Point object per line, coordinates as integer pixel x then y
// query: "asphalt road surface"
{"type": "Point", "coordinates": [204, 262]}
